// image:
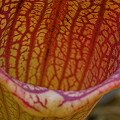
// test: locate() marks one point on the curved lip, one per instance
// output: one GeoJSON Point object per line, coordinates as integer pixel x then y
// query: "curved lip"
{"type": "Point", "coordinates": [45, 102]}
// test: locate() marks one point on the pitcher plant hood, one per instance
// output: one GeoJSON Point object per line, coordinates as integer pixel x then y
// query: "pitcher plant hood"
{"type": "Point", "coordinates": [57, 57]}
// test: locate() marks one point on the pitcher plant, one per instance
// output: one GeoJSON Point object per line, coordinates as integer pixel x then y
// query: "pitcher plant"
{"type": "Point", "coordinates": [57, 57]}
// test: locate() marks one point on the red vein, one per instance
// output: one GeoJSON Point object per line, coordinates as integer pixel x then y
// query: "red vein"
{"type": "Point", "coordinates": [95, 32]}
{"type": "Point", "coordinates": [33, 40]}
{"type": "Point", "coordinates": [69, 46]}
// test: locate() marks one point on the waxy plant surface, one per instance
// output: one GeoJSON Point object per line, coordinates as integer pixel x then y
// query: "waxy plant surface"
{"type": "Point", "coordinates": [57, 57]}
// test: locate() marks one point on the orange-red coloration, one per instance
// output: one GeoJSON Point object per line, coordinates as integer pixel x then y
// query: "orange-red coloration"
{"type": "Point", "coordinates": [60, 44]}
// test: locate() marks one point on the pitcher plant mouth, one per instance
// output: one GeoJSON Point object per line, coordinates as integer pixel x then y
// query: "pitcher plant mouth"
{"type": "Point", "coordinates": [40, 101]}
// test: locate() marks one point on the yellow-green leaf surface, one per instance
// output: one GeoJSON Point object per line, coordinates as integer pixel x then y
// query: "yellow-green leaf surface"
{"type": "Point", "coordinates": [66, 45]}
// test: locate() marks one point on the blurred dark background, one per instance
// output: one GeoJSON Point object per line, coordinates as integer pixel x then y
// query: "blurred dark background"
{"type": "Point", "coordinates": [108, 107]}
